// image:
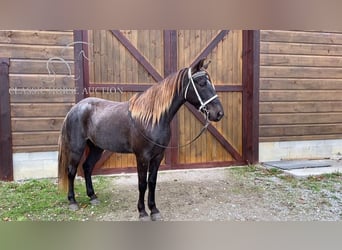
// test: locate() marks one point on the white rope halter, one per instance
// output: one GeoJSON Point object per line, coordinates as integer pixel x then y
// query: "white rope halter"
{"type": "Point", "coordinates": [194, 76]}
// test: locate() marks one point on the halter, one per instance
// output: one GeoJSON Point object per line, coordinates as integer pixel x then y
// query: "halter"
{"type": "Point", "coordinates": [201, 108]}
{"type": "Point", "coordinates": [191, 80]}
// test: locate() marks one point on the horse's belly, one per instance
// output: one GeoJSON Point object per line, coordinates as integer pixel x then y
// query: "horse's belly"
{"type": "Point", "coordinates": [120, 148]}
{"type": "Point", "coordinates": [114, 142]}
{"type": "Point", "coordinates": [115, 145]}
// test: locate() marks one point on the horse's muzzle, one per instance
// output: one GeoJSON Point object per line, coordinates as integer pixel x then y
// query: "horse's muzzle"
{"type": "Point", "coordinates": [219, 115]}
{"type": "Point", "coordinates": [214, 115]}
{"type": "Point", "coordinates": [213, 111]}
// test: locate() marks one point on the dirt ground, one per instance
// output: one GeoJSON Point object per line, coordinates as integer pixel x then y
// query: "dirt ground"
{"type": "Point", "coordinates": [229, 194]}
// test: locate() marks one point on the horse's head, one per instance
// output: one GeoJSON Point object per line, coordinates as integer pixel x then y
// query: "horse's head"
{"type": "Point", "coordinates": [200, 92]}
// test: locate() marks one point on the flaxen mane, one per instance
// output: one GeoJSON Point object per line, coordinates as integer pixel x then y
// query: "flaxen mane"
{"type": "Point", "coordinates": [150, 105]}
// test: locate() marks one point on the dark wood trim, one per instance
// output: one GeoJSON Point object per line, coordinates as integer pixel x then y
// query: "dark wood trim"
{"type": "Point", "coordinates": [170, 52]}
{"type": "Point", "coordinates": [137, 55]}
{"type": "Point", "coordinates": [133, 169]}
{"type": "Point", "coordinates": [125, 87]}
{"type": "Point", "coordinates": [250, 99]}
{"type": "Point", "coordinates": [170, 66]}
{"type": "Point", "coordinates": [208, 165]}
{"type": "Point", "coordinates": [138, 87]}
{"type": "Point", "coordinates": [6, 150]}
{"type": "Point", "coordinates": [228, 88]}
{"type": "Point", "coordinates": [81, 64]}
{"type": "Point", "coordinates": [213, 44]}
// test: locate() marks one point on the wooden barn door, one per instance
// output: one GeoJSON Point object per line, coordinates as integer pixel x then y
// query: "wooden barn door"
{"type": "Point", "coordinates": [222, 144]}
{"type": "Point", "coordinates": [121, 63]}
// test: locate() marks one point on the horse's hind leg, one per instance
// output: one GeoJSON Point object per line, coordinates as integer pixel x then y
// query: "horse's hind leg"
{"type": "Point", "coordinates": [72, 170]}
{"type": "Point", "coordinates": [88, 166]}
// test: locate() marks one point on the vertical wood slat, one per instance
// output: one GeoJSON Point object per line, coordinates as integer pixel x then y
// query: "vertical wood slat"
{"type": "Point", "coordinates": [6, 151]}
{"type": "Point", "coordinates": [250, 99]}
{"type": "Point", "coordinates": [81, 63]}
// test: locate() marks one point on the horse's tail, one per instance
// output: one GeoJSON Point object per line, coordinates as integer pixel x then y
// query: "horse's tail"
{"type": "Point", "coordinates": [63, 158]}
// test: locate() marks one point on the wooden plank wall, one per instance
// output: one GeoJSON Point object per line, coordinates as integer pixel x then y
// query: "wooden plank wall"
{"type": "Point", "coordinates": [38, 101]}
{"type": "Point", "coordinates": [300, 85]}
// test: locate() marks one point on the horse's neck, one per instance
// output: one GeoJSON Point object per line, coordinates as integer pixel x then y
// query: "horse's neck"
{"type": "Point", "coordinates": [177, 102]}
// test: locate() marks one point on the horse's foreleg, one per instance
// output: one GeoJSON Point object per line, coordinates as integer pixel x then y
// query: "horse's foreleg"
{"type": "Point", "coordinates": [142, 166]}
{"type": "Point", "coordinates": [152, 181]}
{"type": "Point", "coordinates": [88, 166]}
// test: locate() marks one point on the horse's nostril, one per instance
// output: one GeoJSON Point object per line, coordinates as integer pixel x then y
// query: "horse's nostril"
{"type": "Point", "coordinates": [220, 114]}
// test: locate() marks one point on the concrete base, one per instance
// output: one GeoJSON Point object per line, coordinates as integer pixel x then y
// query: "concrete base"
{"type": "Point", "coordinates": [35, 165]}
{"type": "Point", "coordinates": [44, 164]}
{"type": "Point", "coordinates": [289, 150]}
{"type": "Point", "coordinates": [305, 168]}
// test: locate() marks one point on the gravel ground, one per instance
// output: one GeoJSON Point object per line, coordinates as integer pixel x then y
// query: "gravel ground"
{"type": "Point", "coordinates": [235, 194]}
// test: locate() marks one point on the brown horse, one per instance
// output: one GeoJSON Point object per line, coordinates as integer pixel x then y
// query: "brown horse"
{"type": "Point", "coordinates": [140, 126]}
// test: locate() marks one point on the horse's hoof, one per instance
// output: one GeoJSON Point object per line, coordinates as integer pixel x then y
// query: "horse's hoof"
{"type": "Point", "coordinates": [95, 202]}
{"type": "Point", "coordinates": [144, 218]}
{"type": "Point", "coordinates": [156, 217]}
{"type": "Point", "coordinates": [74, 206]}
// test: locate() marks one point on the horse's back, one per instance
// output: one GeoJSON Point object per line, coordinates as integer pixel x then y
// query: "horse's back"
{"type": "Point", "coordinates": [93, 107]}
{"type": "Point", "coordinates": [104, 122]}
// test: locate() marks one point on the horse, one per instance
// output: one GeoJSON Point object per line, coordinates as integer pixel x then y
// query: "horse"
{"type": "Point", "coordinates": [140, 125]}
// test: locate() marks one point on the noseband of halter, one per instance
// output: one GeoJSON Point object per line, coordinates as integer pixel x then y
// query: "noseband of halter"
{"type": "Point", "coordinates": [191, 80]}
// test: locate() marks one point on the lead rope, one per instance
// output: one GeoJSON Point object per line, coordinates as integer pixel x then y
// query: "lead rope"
{"type": "Point", "coordinates": [180, 146]}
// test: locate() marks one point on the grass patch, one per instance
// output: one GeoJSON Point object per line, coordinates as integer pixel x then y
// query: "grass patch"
{"type": "Point", "coordinates": [326, 182]}
{"type": "Point", "coordinates": [273, 171]}
{"type": "Point", "coordinates": [41, 200]}
{"type": "Point", "coordinates": [329, 182]}
{"type": "Point", "coordinates": [255, 170]}
{"type": "Point", "coordinates": [243, 171]}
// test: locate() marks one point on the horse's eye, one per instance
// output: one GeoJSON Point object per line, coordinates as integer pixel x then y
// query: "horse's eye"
{"type": "Point", "coordinates": [202, 82]}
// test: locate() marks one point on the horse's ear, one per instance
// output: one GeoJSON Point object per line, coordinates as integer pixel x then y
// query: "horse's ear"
{"type": "Point", "coordinates": [198, 66]}
{"type": "Point", "coordinates": [205, 66]}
